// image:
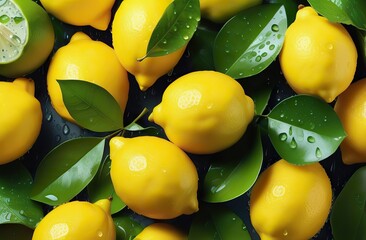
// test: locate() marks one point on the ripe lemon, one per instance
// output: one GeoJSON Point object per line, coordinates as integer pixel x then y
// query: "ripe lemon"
{"type": "Point", "coordinates": [218, 11]}
{"type": "Point", "coordinates": [26, 37]}
{"type": "Point", "coordinates": [85, 59]}
{"type": "Point", "coordinates": [351, 109]}
{"type": "Point", "coordinates": [318, 57]}
{"type": "Point", "coordinates": [79, 220]}
{"type": "Point", "coordinates": [153, 177]}
{"type": "Point", "coordinates": [132, 27]}
{"type": "Point", "coordinates": [20, 118]}
{"type": "Point", "coordinates": [96, 13]}
{"type": "Point", "coordinates": [204, 112]}
{"type": "Point", "coordinates": [161, 231]}
{"type": "Point", "coordinates": [290, 202]}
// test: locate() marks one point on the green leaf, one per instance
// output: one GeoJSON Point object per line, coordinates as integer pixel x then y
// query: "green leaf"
{"type": "Point", "coordinates": [126, 227]}
{"type": "Point", "coordinates": [291, 7]}
{"type": "Point", "coordinates": [15, 204]}
{"type": "Point", "coordinates": [101, 187]}
{"type": "Point", "coordinates": [67, 170]}
{"type": "Point", "coordinates": [216, 222]}
{"type": "Point", "coordinates": [250, 41]}
{"type": "Point", "coordinates": [342, 11]}
{"type": "Point", "coordinates": [235, 170]}
{"type": "Point", "coordinates": [201, 47]}
{"type": "Point", "coordinates": [175, 28]}
{"type": "Point", "coordinates": [91, 106]}
{"type": "Point", "coordinates": [304, 129]}
{"type": "Point", "coordinates": [348, 215]}
{"type": "Point", "coordinates": [15, 232]}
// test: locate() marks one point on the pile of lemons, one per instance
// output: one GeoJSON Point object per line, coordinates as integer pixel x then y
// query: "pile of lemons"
{"type": "Point", "coordinates": [202, 112]}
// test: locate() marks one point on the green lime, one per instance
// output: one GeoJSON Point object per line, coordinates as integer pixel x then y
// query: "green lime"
{"type": "Point", "coordinates": [26, 37]}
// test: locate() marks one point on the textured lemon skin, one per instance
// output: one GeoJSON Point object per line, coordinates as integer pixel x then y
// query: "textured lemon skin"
{"type": "Point", "coordinates": [153, 177]}
{"type": "Point", "coordinates": [290, 202]}
{"type": "Point", "coordinates": [39, 43]}
{"type": "Point", "coordinates": [20, 118]}
{"type": "Point", "coordinates": [351, 110]}
{"type": "Point", "coordinates": [96, 13]}
{"type": "Point", "coordinates": [318, 57]}
{"type": "Point", "coordinates": [77, 220]}
{"type": "Point", "coordinates": [204, 112]}
{"type": "Point", "coordinates": [132, 27]}
{"type": "Point", "coordinates": [85, 59]}
{"type": "Point", "coordinates": [219, 11]}
{"type": "Point", "coordinates": [161, 231]}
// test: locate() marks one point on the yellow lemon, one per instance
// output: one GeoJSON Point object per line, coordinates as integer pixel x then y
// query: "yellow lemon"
{"type": "Point", "coordinates": [96, 13]}
{"type": "Point", "coordinates": [79, 220]}
{"type": "Point", "coordinates": [219, 11]}
{"type": "Point", "coordinates": [132, 27]}
{"type": "Point", "coordinates": [20, 118]}
{"type": "Point", "coordinates": [153, 177]}
{"type": "Point", "coordinates": [26, 37]}
{"type": "Point", "coordinates": [161, 231]}
{"type": "Point", "coordinates": [88, 60]}
{"type": "Point", "coordinates": [318, 57]}
{"type": "Point", "coordinates": [351, 109]}
{"type": "Point", "coordinates": [290, 202]}
{"type": "Point", "coordinates": [204, 112]}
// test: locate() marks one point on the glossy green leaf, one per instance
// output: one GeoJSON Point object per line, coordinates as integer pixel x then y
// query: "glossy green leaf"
{"type": "Point", "coordinates": [304, 129]}
{"type": "Point", "coordinates": [126, 227]}
{"type": "Point", "coordinates": [234, 171]}
{"type": "Point", "coordinates": [91, 106]}
{"type": "Point", "coordinates": [250, 41]}
{"type": "Point", "coordinates": [67, 170]}
{"type": "Point", "coordinates": [348, 215]}
{"type": "Point", "coordinates": [201, 47]}
{"type": "Point", "coordinates": [343, 11]}
{"type": "Point", "coordinates": [216, 222]}
{"type": "Point", "coordinates": [101, 187]}
{"type": "Point", "coordinates": [15, 232]}
{"type": "Point", "coordinates": [15, 203]}
{"type": "Point", "coordinates": [291, 7]}
{"type": "Point", "coordinates": [175, 28]}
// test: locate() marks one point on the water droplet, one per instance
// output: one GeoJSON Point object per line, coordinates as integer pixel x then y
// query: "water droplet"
{"type": "Point", "coordinates": [185, 37]}
{"type": "Point", "coordinates": [290, 130]}
{"type": "Point", "coordinates": [272, 46]}
{"type": "Point", "coordinates": [330, 46]}
{"type": "Point", "coordinates": [165, 41]}
{"type": "Point", "coordinates": [100, 234]}
{"type": "Point", "coordinates": [175, 29]}
{"type": "Point", "coordinates": [283, 137]}
{"type": "Point", "coordinates": [264, 54]}
{"type": "Point", "coordinates": [318, 153]}
{"type": "Point", "coordinates": [18, 20]}
{"type": "Point", "coordinates": [258, 58]}
{"type": "Point", "coordinates": [293, 143]}
{"type": "Point", "coordinates": [189, 17]}
{"type": "Point", "coordinates": [312, 126]}
{"type": "Point", "coordinates": [275, 28]}
{"type": "Point", "coordinates": [311, 139]}
{"type": "Point", "coordinates": [51, 197]}
{"type": "Point", "coordinates": [188, 26]}
{"type": "Point", "coordinates": [234, 219]}
{"type": "Point", "coordinates": [58, 138]}
{"type": "Point", "coordinates": [4, 19]}
{"type": "Point", "coordinates": [285, 233]}
{"type": "Point", "coordinates": [268, 42]}
{"type": "Point", "coordinates": [261, 46]}
{"type": "Point", "coordinates": [66, 129]}
{"type": "Point", "coordinates": [49, 118]}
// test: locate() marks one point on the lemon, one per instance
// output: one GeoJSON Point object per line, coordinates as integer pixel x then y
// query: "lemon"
{"type": "Point", "coordinates": [79, 220]}
{"type": "Point", "coordinates": [290, 202]}
{"type": "Point", "coordinates": [132, 27]}
{"type": "Point", "coordinates": [153, 177]}
{"type": "Point", "coordinates": [318, 57]}
{"type": "Point", "coordinates": [89, 60]}
{"type": "Point", "coordinates": [204, 112]}
{"type": "Point", "coordinates": [96, 13]}
{"type": "Point", "coordinates": [26, 37]}
{"type": "Point", "coordinates": [350, 107]}
{"type": "Point", "coordinates": [219, 11]}
{"type": "Point", "coordinates": [20, 118]}
{"type": "Point", "coordinates": [161, 231]}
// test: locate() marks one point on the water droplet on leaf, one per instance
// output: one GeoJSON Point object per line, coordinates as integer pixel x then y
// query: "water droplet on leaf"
{"type": "Point", "coordinates": [283, 137]}
{"type": "Point", "coordinates": [275, 28]}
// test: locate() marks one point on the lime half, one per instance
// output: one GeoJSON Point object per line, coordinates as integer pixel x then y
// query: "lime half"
{"type": "Point", "coordinates": [26, 37]}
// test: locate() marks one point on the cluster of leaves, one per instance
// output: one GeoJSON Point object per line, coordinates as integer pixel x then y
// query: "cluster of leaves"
{"type": "Point", "coordinates": [302, 129]}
